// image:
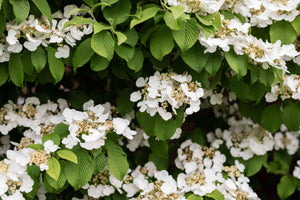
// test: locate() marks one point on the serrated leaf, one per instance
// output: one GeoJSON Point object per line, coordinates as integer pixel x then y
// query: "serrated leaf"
{"type": "Point", "coordinates": [132, 37]}
{"type": "Point", "coordinates": [158, 147]}
{"type": "Point", "coordinates": [160, 163]}
{"type": "Point", "coordinates": [271, 118]}
{"type": "Point", "coordinates": [79, 174]}
{"type": "Point", "coordinates": [117, 160]}
{"type": "Point", "coordinates": [213, 63]}
{"type": "Point", "coordinates": [188, 35]}
{"type": "Point", "coordinates": [177, 11]}
{"type": "Point", "coordinates": [266, 76]}
{"type": "Point", "coordinates": [296, 24]}
{"type": "Point", "coordinates": [110, 2]}
{"type": "Point", "coordinates": [78, 21]}
{"type": "Point", "coordinates": [286, 186]}
{"type": "Point", "coordinates": [100, 26]}
{"type": "Point", "coordinates": [146, 14]}
{"type": "Point", "coordinates": [125, 51]}
{"type": "Point", "coordinates": [121, 37]}
{"type": "Point", "coordinates": [161, 42]}
{"type": "Point", "coordinates": [211, 20]}
{"type": "Point", "coordinates": [67, 155]}
{"type": "Point", "coordinates": [39, 59]}
{"type": "Point", "coordinates": [117, 13]}
{"type": "Point", "coordinates": [195, 57]}
{"type": "Point", "coordinates": [44, 8]}
{"type": "Point", "coordinates": [54, 168]}
{"type": "Point", "coordinates": [100, 163]}
{"type": "Point", "coordinates": [136, 62]}
{"type": "Point", "coordinates": [2, 22]}
{"type": "Point", "coordinates": [15, 69]}
{"type": "Point", "coordinates": [103, 44]}
{"type": "Point", "coordinates": [239, 63]}
{"type": "Point", "coordinates": [194, 197]}
{"type": "Point", "coordinates": [216, 194]}
{"type": "Point", "coordinates": [146, 122]}
{"type": "Point", "coordinates": [254, 164]}
{"type": "Point", "coordinates": [291, 116]}
{"type": "Point", "coordinates": [56, 65]}
{"type": "Point", "coordinates": [83, 54]}
{"type": "Point", "coordinates": [98, 63]}
{"type": "Point", "coordinates": [59, 183]}
{"type": "Point", "coordinates": [62, 129]}
{"type": "Point", "coordinates": [27, 62]}
{"type": "Point", "coordinates": [283, 31]}
{"type": "Point", "coordinates": [164, 130]}
{"type": "Point", "coordinates": [36, 147]}
{"type": "Point", "coordinates": [3, 73]}
{"type": "Point", "coordinates": [21, 9]}
{"type": "Point", "coordinates": [53, 136]}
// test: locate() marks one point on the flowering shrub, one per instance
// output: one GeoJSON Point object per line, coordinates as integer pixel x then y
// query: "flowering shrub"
{"type": "Point", "coordinates": [171, 100]}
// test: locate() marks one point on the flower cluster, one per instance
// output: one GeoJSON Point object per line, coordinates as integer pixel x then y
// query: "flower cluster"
{"type": "Point", "coordinates": [204, 169]}
{"type": "Point", "coordinates": [163, 93]}
{"type": "Point", "coordinates": [89, 128]}
{"type": "Point", "coordinates": [291, 89]}
{"type": "Point", "coordinates": [39, 31]}
{"type": "Point", "coordinates": [259, 13]}
{"type": "Point", "coordinates": [235, 33]}
{"type": "Point", "coordinates": [244, 138]}
{"type": "Point", "coordinates": [286, 139]}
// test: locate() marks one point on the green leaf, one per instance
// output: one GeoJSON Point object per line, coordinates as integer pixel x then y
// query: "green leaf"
{"type": "Point", "coordinates": [54, 168]}
{"type": "Point", "coordinates": [27, 62]}
{"type": "Point", "coordinates": [161, 42]}
{"type": "Point", "coordinates": [254, 73]}
{"type": "Point", "coordinates": [21, 9]}
{"type": "Point", "coordinates": [68, 155]}
{"type": "Point", "coordinates": [188, 35]}
{"type": "Point", "coordinates": [254, 164]}
{"type": "Point", "coordinates": [125, 51]}
{"type": "Point", "coordinates": [211, 20]}
{"type": "Point", "coordinates": [213, 63]}
{"type": "Point", "coordinates": [121, 37]}
{"type": "Point", "coordinates": [239, 63]}
{"type": "Point", "coordinates": [283, 31]}
{"type": "Point", "coordinates": [15, 69]}
{"type": "Point", "coordinates": [164, 130]}
{"type": "Point", "coordinates": [117, 160]}
{"type": "Point", "coordinates": [79, 174]}
{"type": "Point", "coordinates": [296, 24]}
{"type": "Point", "coordinates": [56, 184]}
{"type": "Point", "coordinates": [194, 197]}
{"type": "Point", "coordinates": [240, 88]}
{"type": "Point", "coordinates": [53, 136]}
{"type": "Point", "coordinates": [266, 77]}
{"type": "Point", "coordinates": [160, 163]}
{"type": "Point", "coordinates": [124, 105]}
{"type": "Point", "coordinates": [100, 163]}
{"type": "Point", "coordinates": [98, 63]}
{"type": "Point", "coordinates": [44, 7]}
{"type": "Point", "coordinates": [159, 148]}
{"type": "Point", "coordinates": [291, 116]}
{"type": "Point", "coordinates": [146, 122]}
{"type": "Point", "coordinates": [109, 2]}
{"type": "Point", "coordinates": [78, 21]}
{"type": "Point", "coordinates": [137, 61]}
{"type": "Point", "coordinates": [3, 73]}
{"type": "Point", "coordinates": [146, 14]}
{"type": "Point", "coordinates": [172, 23]}
{"type": "Point", "coordinates": [83, 54]}
{"type": "Point", "coordinates": [271, 118]}
{"type": "Point", "coordinates": [177, 11]}
{"type": "Point", "coordinates": [36, 147]}
{"type": "Point", "coordinates": [98, 27]}
{"type": "Point", "coordinates": [62, 129]}
{"type": "Point", "coordinates": [34, 173]}
{"type": "Point", "coordinates": [103, 44]}
{"type": "Point", "coordinates": [39, 59]}
{"type": "Point", "coordinates": [195, 57]}
{"type": "Point", "coordinates": [286, 186]}
{"type": "Point", "coordinates": [216, 194]}
{"type": "Point", "coordinates": [132, 37]}
{"type": "Point", "coordinates": [118, 13]}
{"type": "Point", "coordinates": [56, 66]}
{"type": "Point", "coordinates": [2, 22]}
{"type": "Point", "coordinates": [90, 3]}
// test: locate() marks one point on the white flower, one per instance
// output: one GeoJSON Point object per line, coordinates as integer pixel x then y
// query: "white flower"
{"type": "Point", "coordinates": [63, 52]}
{"type": "Point", "coordinates": [49, 146]}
